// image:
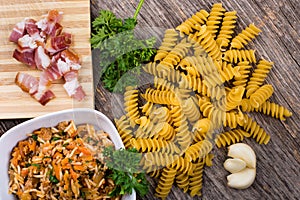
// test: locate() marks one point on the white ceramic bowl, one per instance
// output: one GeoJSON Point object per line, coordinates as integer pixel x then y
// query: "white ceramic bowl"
{"type": "Point", "coordinates": [80, 116]}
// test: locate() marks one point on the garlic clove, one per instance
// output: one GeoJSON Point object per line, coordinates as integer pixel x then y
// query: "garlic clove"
{"type": "Point", "coordinates": [242, 179]}
{"type": "Point", "coordinates": [234, 165]}
{"type": "Point", "coordinates": [243, 152]}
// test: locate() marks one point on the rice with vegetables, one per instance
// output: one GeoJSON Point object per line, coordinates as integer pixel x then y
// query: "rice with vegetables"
{"type": "Point", "coordinates": [62, 162]}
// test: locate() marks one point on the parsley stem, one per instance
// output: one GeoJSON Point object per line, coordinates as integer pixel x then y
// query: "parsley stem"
{"type": "Point", "coordinates": [138, 9]}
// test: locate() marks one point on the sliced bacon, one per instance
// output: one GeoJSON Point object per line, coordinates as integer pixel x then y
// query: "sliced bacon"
{"type": "Point", "coordinates": [42, 60]}
{"type": "Point", "coordinates": [31, 27]}
{"type": "Point", "coordinates": [72, 86]}
{"type": "Point", "coordinates": [26, 57]}
{"type": "Point", "coordinates": [27, 82]}
{"type": "Point", "coordinates": [18, 32]}
{"type": "Point", "coordinates": [31, 85]}
{"type": "Point", "coordinates": [27, 42]}
{"type": "Point", "coordinates": [54, 16]}
{"type": "Point", "coordinates": [71, 58]}
{"type": "Point", "coordinates": [44, 97]}
{"type": "Point", "coordinates": [61, 41]}
{"type": "Point", "coordinates": [52, 73]}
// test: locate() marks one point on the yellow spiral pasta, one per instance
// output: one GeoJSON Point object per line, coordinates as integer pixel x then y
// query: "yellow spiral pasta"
{"type": "Point", "coordinates": [157, 160]}
{"type": "Point", "coordinates": [147, 108]}
{"type": "Point", "coordinates": [234, 97]}
{"type": "Point", "coordinates": [269, 108]}
{"type": "Point", "coordinates": [216, 115]}
{"type": "Point", "coordinates": [233, 119]}
{"type": "Point", "coordinates": [198, 150]}
{"type": "Point", "coordinates": [228, 24]}
{"type": "Point", "coordinates": [163, 84]}
{"type": "Point", "coordinates": [176, 54]}
{"type": "Point", "coordinates": [243, 38]}
{"type": "Point", "coordinates": [167, 44]}
{"type": "Point", "coordinates": [193, 23]}
{"type": "Point", "coordinates": [230, 137]}
{"type": "Point", "coordinates": [145, 127]}
{"type": "Point", "coordinates": [125, 130]}
{"type": "Point", "coordinates": [235, 56]}
{"type": "Point", "coordinates": [160, 115]}
{"type": "Point", "coordinates": [195, 184]}
{"type": "Point", "coordinates": [169, 74]}
{"type": "Point", "coordinates": [182, 165]}
{"type": "Point", "coordinates": [165, 182]}
{"type": "Point", "coordinates": [191, 82]}
{"type": "Point", "coordinates": [164, 130]}
{"type": "Point", "coordinates": [256, 132]}
{"type": "Point", "coordinates": [275, 110]}
{"type": "Point", "coordinates": [208, 160]}
{"type": "Point", "coordinates": [258, 76]}
{"type": "Point", "coordinates": [155, 173]}
{"type": "Point", "coordinates": [215, 18]}
{"type": "Point", "coordinates": [146, 145]}
{"type": "Point", "coordinates": [182, 181]}
{"type": "Point", "coordinates": [131, 104]}
{"type": "Point", "coordinates": [151, 68]}
{"type": "Point", "coordinates": [244, 71]}
{"type": "Point", "coordinates": [228, 72]}
{"type": "Point", "coordinates": [191, 110]}
{"type": "Point", "coordinates": [160, 97]}
{"type": "Point", "coordinates": [206, 40]}
{"type": "Point", "coordinates": [261, 95]}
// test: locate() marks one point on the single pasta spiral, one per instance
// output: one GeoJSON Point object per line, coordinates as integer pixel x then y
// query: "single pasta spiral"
{"type": "Point", "coordinates": [182, 165]}
{"type": "Point", "coordinates": [160, 97]}
{"type": "Point", "coordinates": [228, 24]}
{"type": "Point", "coordinates": [261, 95]}
{"type": "Point", "coordinates": [258, 76]}
{"type": "Point", "coordinates": [274, 110]}
{"type": "Point", "coordinates": [131, 104]}
{"type": "Point", "coordinates": [230, 137]}
{"type": "Point", "coordinates": [164, 130]}
{"type": "Point", "coordinates": [165, 182]}
{"type": "Point", "coordinates": [168, 43]}
{"type": "Point", "coordinates": [163, 84]}
{"type": "Point", "coordinates": [256, 132]}
{"type": "Point", "coordinates": [193, 23]}
{"type": "Point", "coordinates": [228, 72]}
{"type": "Point", "coordinates": [191, 110]}
{"type": "Point", "coordinates": [182, 181]}
{"type": "Point", "coordinates": [146, 145]}
{"type": "Point", "coordinates": [235, 56]}
{"type": "Point", "coordinates": [215, 18]}
{"type": "Point", "coordinates": [195, 184]}
{"type": "Point", "coordinates": [125, 130]}
{"type": "Point", "coordinates": [243, 38]}
{"type": "Point", "coordinates": [206, 40]}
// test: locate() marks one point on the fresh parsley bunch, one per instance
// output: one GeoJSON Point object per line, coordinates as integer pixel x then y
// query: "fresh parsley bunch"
{"type": "Point", "coordinates": [126, 172]}
{"type": "Point", "coordinates": [120, 50]}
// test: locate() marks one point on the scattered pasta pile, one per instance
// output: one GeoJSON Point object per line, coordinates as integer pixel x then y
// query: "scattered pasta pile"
{"type": "Point", "coordinates": [202, 84]}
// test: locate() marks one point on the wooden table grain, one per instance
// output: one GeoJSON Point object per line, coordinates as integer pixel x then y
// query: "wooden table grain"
{"type": "Point", "coordinates": [278, 162]}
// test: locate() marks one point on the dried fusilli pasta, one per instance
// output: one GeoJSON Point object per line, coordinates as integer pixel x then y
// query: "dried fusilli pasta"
{"type": "Point", "coordinates": [245, 36]}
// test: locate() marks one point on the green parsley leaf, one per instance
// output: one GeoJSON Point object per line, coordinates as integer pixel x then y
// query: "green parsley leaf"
{"type": "Point", "coordinates": [126, 171]}
{"type": "Point", "coordinates": [120, 50]}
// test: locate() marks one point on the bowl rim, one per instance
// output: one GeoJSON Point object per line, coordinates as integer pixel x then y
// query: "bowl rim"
{"type": "Point", "coordinates": [9, 134]}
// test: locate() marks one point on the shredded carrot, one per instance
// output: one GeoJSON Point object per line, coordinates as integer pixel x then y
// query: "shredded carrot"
{"type": "Point", "coordinates": [57, 155]}
{"type": "Point", "coordinates": [85, 150]}
{"type": "Point", "coordinates": [24, 172]}
{"type": "Point", "coordinates": [80, 167]}
{"type": "Point", "coordinates": [32, 146]}
{"type": "Point", "coordinates": [73, 174]}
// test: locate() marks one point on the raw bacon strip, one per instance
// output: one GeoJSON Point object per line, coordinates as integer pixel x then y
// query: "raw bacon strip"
{"type": "Point", "coordinates": [32, 85]}
{"type": "Point", "coordinates": [18, 32]}
{"type": "Point", "coordinates": [26, 57]}
{"type": "Point", "coordinates": [58, 43]}
{"type": "Point", "coordinates": [71, 58]}
{"type": "Point", "coordinates": [42, 60]}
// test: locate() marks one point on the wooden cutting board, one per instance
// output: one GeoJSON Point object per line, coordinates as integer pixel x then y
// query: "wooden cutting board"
{"type": "Point", "coordinates": [14, 103]}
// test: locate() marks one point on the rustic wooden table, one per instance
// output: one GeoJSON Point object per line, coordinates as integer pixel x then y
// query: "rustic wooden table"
{"type": "Point", "coordinates": [278, 162]}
